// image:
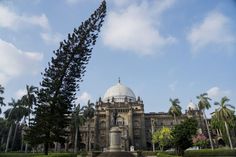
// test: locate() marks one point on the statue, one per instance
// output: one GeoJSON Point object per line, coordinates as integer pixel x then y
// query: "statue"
{"type": "Point", "coordinates": [115, 115]}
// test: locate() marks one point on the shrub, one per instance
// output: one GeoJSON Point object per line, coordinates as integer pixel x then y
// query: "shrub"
{"type": "Point", "coordinates": [165, 155]}
{"type": "Point", "coordinates": [209, 152]}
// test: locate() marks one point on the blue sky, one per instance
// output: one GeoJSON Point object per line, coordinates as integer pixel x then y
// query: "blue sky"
{"type": "Point", "coordinates": [161, 49]}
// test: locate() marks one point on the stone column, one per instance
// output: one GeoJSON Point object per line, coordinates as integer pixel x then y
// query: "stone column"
{"type": "Point", "coordinates": [96, 136]}
{"type": "Point", "coordinates": [107, 126]}
{"type": "Point", "coordinates": [130, 125]}
{"type": "Point", "coordinates": [143, 135]}
{"type": "Point", "coordinates": [115, 139]}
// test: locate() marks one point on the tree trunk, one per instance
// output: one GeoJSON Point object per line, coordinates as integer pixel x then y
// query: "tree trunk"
{"type": "Point", "coordinates": [26, 148]}
{"type": "Point", "coordinates": [76, 140]}
{"type": "Point", "coordinates": [227, 131]}
{"type": "Point", "coordinates": [8, 138]}
{"type": "Point", "coordinates": [14, 137]}
{"type": "Point", "coordinates": [46, 148]}
{"type": "Point", "coordinates": [208, 130]}
{"type": "Point", "coordinates": [22, 141]}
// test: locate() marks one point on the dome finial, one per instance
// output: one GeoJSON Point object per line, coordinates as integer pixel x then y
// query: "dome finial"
{"type": "Point", "coordinates": [118, 79]}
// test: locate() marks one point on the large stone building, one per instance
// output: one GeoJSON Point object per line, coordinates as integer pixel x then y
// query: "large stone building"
{"type": "Point", "coordinates": [136, 125]}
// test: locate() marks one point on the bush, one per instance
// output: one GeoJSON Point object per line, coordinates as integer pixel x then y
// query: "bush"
{"type": "Point", "coordinates": [209, 152]}
{"type": "Point", "coordinates": [165, 155]}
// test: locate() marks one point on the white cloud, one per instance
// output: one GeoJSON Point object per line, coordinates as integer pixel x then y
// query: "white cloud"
{"type": "Point", "coordinates": [51, 38]}
{"type": "Point", "coordinates": [213, 30]}
{"type": "Point", "coordinates": [14, 62]}
{"type": "Point", "coordinates": [217, 93]}
{"type": "Point", "coordinates": [11, 20]}
{"type": "Point", "coordinates": [83, 98]}
{"type": "Point", "coordinates": [135, 28]}
{"type": "Point", "coordinates": [20, 93]}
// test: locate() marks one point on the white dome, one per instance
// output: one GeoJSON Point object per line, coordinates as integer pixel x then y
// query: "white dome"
{"type": "Point", "coordinates": [192, 106]}
{"type": "Point", "coordinates": [119, 92]}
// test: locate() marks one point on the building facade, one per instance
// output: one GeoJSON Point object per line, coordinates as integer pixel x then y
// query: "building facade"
{"type": "Point", "coordinates": [136, 125]}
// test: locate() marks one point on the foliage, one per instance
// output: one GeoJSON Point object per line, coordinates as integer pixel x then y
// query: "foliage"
{"type": "Point", "coordinates": [175, 109]}
{"type": "Point", "coordinates": [89, 112]}
{"type": "Point", "coordinates": [225, 113]}
{"type": "Point", "coordinates": [209, 152]}
{"type": "Point", "coordinates": [182, 135]}
{"type": "Point", "coordinates": [77, 119]}
{"type": "Point", "coordinates": [162, 154]}
{"type": "Point", "coordinates": [61, 81]}
{"type": "Point", "coordinates": [1, 98]}
{"type": "Point", "coordinates": [203, 101]}
{"type": "Point", "coordinates": [200, 140]}
{"type": "Point", "coordinates": [202, 105]}
{"type": "Point", "coordinates": [163, 137]}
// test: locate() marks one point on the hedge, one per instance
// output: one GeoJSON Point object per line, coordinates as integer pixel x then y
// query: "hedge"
{"type": "Point", "coordinates": [37, 155]}
{"type": "Point", "coordinates": [165, 155]}
{"type": "Point", "coordinates": [209, 153]}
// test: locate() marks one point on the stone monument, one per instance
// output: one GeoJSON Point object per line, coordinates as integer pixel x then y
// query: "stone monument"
{"type": "Point", "coordinates": [114, 149]}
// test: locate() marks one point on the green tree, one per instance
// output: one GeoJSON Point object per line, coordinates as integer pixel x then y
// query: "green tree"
{"type": "Point", "coordinates": [77, 120]}
{"type": "Point", "coordinates": [89, 112]}
{"type": "Point", "coordinates": [182, 135]}
{"type": "Point", "coordinates": [61, 81]}
{"type": "Point", "coordinates": [3, 132]}
{"type": "Point", "coordinates": [225, 113]}
{"type": "Point", "coordinates": [175, 109]}
{"type": "Point", "coordinates": [1, 98]}
{"type": "Point", "coordinates": [14, 115]}
{"type": "Point", "coordinates": [204, 104]}
{"type": "Point", "coordinates": [163, 137]}
{"type": "Point", "coordinates": [28, 100]}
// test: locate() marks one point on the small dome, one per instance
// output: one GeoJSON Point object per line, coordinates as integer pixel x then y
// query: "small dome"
{"type": "Point", "coordinates": [119, 93]}
{"type": "Point", "coordinates": [192, 106]}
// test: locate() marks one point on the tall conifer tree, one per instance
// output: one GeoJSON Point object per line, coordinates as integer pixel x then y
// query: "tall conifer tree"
{"type": "Point", "coordinates": [61, 81]}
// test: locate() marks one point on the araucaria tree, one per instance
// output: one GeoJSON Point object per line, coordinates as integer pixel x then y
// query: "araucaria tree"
{"type": "Point", "coordinates": [61, 81]}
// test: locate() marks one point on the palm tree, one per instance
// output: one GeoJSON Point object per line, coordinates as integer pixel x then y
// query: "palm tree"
{"type": "Point", "coordinates": [89, 112]}
{"type": "Point", "coordinates": [1, 98]}
{"type": "Point", "coordinates": [28, 100]}
{"type": "Point", "coordinates": [77, 120]}
{"type": "Point", "coordinates": [204, 104]}
{"type": "Point", "coordinates": [14, 115]}
{"type": "Point", "coordinates": [10, 119]}
{"type": "Point", "coordinates": [175, 109]}
{"type": "Point", "coordinates": [225, 113]}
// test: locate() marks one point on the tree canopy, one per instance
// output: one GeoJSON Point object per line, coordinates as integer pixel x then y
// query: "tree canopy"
{"type": "Point", "coordinates": [61, 80]}
{"type": "Point", "coordinates": [183, 133]}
